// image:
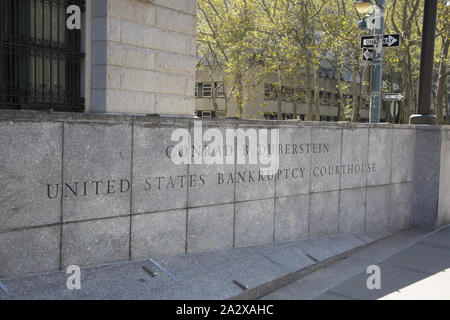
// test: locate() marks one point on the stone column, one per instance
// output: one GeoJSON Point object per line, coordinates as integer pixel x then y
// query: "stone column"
{"type": "Point", "coordinates": [427, 176]}
{"type": "Point", "coordinates": [143, 56]}
{"type": "Point", "coordinates": [444, 179]}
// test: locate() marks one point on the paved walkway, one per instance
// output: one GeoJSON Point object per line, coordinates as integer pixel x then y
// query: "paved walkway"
{"type": "Point", "coordinates": [234, 273]}
{"type": "Point", "coordinates": [419, 271]}
{"type": "Point", "coordinates": [322, 266]}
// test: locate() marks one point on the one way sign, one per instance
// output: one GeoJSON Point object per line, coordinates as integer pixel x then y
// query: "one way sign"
{"type": "Point", "coordinates": [367, 54]}
{"type": "Point", "coordinates": [389, 40]}
{"type": "Point", "coordinates": [394, 97]}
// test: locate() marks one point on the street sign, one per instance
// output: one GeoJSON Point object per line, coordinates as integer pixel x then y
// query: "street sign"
{"type": "Point", "coordinates": [367, 54]}
{"type": "Point", "coordinates": [394, 97]}
{"type": "Point", "coordinates": [389, 40]}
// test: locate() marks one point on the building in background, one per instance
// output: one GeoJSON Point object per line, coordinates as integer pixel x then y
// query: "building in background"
{"type": "Point", "coordinates": [262, 98]}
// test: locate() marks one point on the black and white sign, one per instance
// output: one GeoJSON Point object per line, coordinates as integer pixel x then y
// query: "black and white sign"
{"type": "Point", "coordinates": [389, 40]}
{"type": "Point", "coordinates": [394, 97]}
{"type": "Point", "coordinates": [367, 54]}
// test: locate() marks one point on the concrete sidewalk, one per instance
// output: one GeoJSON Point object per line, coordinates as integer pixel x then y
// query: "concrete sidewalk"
{"type": "Point", "coordinates": [421, 270]}
{"type": "Point", "coordinates": [240, 273]}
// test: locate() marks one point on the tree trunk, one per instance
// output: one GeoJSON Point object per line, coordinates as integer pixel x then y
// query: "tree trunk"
{"type": "Point", "coordinates": [341, 94]}
{"type": "Point", "coordinates": [239, 96]}
{"type": "Point", "coordinates": [316, 94]}
{"type": "Point", "coordinates": [442, 83]}
{"type": "Point", "coordinates": [308, 91]}
{"type": "Point", "coordinates": [214, 97]}
{"type": "Point", "coordinates": [294, 101]}
{"type": "Point", "coordinates": [447, 115]}
{"type": "Point", "coordinates": [226, 99]}
{"type": "Point", "coordinates": [279, 97]}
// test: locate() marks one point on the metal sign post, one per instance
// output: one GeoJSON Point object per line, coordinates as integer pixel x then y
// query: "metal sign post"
{"type": "Point", "coordinates": [377, 63]}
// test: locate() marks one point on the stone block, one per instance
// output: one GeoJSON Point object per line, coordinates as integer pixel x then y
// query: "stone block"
{"type": "Point", "coordinates": [323, 164]}
{"type": "Point", "coordinates": [136, 102]}
{"type": "Point", "coordinates": [354, 157]}
{"type": "Point", "coordinates": [177, 63]}
{"type": "Point", "coordinates": [99, 52]}
{"type": "Point", "coordinates": [120, 54]}
{"type": "Point", "coordinates": [96, 242]}
{"type": "Point", "coordinates": [291, 217]}
{"type": "Point", "coordinates": [192, 6]}
{"type": "Point", "coordinates": [106, 28]}
{"type": "Point", "coordinates": [99, 79]}
{"type": "Point", "coordinates": [98, 101]}
{"type": "Point", "coordinates": [158, 234]}
{"type": "Point", "coordinates": [146, 80]}
{"type": "Point", "coordinates": [444, 180]}
{"type": "Point", "coordinates": [352, 210]}
{"type": "Point", "coordinates": [29, 251]}
{"type": "Point", "coordinates": [181, 5]}
{"type": "Point", "coordinates": [97, 171]}
{"type": "Point", "coordinates": [99, 8]}
{"type": "Point", "coordinates": [295, 162]}
{"type": "Point", "coordinates": [380, 154]}
{"type": "Point", "coordinates": [378, 208]}
{"type": "Point", "coordinates": [403, 151]}
{"type": "Point", "coordinates": [401, 204]}
{"type": "Point", "coordinates": [323, 213]}
{"type": "Point", "coordinates": [175, 21]}
{"type": "Point", "coordinates": [158, 183]}
{"type": "Point", "coordinates": [254, 178]}
{"type": "Point", "coordinates": [254, 222]}
{"type": "Point", "coordinates": [152, 37]}
{"type": "Point", "coordinates": [30, 161]}
{"type": "Point", "coordinates": [174, 105]}
{"type": "Point", "coordinates": [210, 228]}
{"type": "Point", "coordinates": [426, 178]}
{"type": "Point", "coordinates": [211, 183]}
{"type": "Point", "coordinates": [132, 10]}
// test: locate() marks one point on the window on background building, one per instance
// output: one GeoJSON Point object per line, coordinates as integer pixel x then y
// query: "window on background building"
{"type": "Point", "coordinates": [206, 90]}
{"type": "Point", "coordinates": [270, 116]}
{"type": "Point", "coordinates": [218, 86]}
{"type": "Point", "coordinates": [326, 97]}
{"type": "Point", "coordinates": [205, 114]}
{"type": "Point", "coordinates": [288, 94]}
{"type": "Point", "coordinates": [287, 116]}
{"type": "Point", "coordinates": [269, 92]}
{"type": "Point", "coordinates": [40, 58]}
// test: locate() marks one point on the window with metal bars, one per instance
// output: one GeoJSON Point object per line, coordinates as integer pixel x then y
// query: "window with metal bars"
{"type": "Point", "coordinates": [40, 58]}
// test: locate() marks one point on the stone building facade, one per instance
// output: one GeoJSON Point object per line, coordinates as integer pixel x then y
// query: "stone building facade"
{"type": "Point", "coordinates": [128, 56]}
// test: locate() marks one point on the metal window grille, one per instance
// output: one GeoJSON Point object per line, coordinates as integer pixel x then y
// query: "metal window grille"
{"type": "Point", "coordinates": [40, 58]}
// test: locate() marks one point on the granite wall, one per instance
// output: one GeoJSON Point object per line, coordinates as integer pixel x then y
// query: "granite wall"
{"type": "Point", "coordinates": [90, 189]}
{"type": "Point", "coordinates": [444, 179]}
